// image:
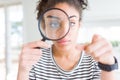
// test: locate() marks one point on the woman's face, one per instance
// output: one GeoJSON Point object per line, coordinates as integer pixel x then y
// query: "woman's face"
{"type": "Point", "coordinates": [70, 39]}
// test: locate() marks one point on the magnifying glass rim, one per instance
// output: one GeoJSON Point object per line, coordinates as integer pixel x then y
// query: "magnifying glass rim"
{"type": "Point", "coordinates": [40, 18]}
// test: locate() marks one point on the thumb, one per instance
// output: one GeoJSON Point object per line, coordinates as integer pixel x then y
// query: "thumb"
{"type": "Point", "coordinates": [95, 38]}
{"type": "Point", "coordinates": [82, 46]}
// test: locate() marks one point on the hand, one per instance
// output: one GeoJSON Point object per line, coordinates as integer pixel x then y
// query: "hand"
{"type": "Point", "coordinates": [100, 49]}
{"type": "Point", "coordinates": [29, 56]}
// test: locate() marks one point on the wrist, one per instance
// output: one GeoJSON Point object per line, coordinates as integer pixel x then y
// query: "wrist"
{"type": "Point", "coordinates": [23, 75]}
{"type": "Point", "coordinates": [109, 60]}
{"type": "Point", "coordinates": [108, 67]}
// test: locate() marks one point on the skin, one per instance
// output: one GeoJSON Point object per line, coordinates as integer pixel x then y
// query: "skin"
{"type": "Point", "coordinates": [67, 51]}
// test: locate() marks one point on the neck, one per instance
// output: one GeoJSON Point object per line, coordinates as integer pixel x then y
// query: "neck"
{"type": "Point", "coordinates": [71, 53]}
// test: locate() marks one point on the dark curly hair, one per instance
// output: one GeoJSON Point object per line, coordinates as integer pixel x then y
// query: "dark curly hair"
{"type": "Point", "coordinates": [77, 4]}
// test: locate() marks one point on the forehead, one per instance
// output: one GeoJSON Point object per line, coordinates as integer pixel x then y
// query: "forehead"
{"type": "Point", "coordinates": [70, 10]}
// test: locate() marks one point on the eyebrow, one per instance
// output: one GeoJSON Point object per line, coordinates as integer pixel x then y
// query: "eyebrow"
{"type": "Point", "coordinates": [55, 17]}
{"type": "Point", "coordinates": [72, 16]}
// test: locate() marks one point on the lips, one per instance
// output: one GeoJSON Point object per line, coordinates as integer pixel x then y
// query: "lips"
{"type": "Point", "coordinates": [63, 41]}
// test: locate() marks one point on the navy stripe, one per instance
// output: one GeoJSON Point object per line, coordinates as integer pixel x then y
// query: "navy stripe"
{"type": "Point", "coordinates": [46, 69]}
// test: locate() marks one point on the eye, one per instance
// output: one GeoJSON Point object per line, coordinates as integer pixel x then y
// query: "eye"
{"type": "Point", "coordinates": [54, 24]}
{"type": "Point", "coordinates": [72, 24]}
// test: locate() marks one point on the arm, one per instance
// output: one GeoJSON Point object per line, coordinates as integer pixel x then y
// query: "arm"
{"type": "Point", "coordinates": [108, 70]}
{"type": "Point", "coordinates": [107, 75]}
{"type": "Point", "coordinates": [101, 51]}
{"type": "Point", "coordinates": [29, 56]}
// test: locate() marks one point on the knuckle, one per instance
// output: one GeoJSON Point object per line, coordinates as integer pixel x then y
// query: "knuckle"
{"type": "Point", "coordinates": [88, 49]}
{"type": "Point", "coordinates": [94, 54]}
{"type": "Point", "coordinates": [36, 42]}
{"type": "Point", "coordinates": [24, 50]}
{"type": "Point", "coordinates": [22, 57]}
{"type": "Point", "coordinates": [24, 46]}
{"type": "Point", "coordinates": [97, 58]}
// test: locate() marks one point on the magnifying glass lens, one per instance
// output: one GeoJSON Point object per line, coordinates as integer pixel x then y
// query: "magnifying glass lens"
{"type": "Point", "coordinates": [54, 24]}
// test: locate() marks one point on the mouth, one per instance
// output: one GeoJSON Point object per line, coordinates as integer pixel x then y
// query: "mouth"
{"type": "Point", "coordinates": [63, 42]}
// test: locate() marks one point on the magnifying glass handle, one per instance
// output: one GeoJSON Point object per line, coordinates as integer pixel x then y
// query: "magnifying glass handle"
{"type": "Point", "coordinates": [43, 39]}
{"type": "Point", "coordinates": [40, 47]}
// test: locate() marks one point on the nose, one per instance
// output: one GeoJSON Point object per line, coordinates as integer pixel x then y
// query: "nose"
{"type": "Point", "coordinates": [64, 31]}
{"type": "Point", "coordinates": [65, 27]}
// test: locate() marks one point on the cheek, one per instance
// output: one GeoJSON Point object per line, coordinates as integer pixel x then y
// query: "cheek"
{"type": "Point", "coordinates": [74, 34]}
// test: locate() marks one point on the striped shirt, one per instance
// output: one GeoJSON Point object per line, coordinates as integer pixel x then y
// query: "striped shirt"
{"type": "Point", "coordinates": [47, 69]}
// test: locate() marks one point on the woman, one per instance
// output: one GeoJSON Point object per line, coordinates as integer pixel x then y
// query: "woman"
{"type": "Point", "coordinates": [65, 59]}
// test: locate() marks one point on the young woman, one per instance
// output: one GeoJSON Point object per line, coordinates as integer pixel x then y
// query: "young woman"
{"type": "Point", "coordinates": [65, 59]}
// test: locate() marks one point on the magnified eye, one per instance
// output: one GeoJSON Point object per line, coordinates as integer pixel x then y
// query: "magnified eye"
{"type": "Point", "coordinates": [54, 24]}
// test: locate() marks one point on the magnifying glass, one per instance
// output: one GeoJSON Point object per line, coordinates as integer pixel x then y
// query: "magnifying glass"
{"type": "Point", "coordinates": [53, 24]}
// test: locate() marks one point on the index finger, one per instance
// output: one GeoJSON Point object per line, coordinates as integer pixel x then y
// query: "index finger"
{"type": "Point", "coordinates": [40, 44]}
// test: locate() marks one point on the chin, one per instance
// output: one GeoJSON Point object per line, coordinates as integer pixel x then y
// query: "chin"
{"type": "Point", "coordinates": [66, 46]}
